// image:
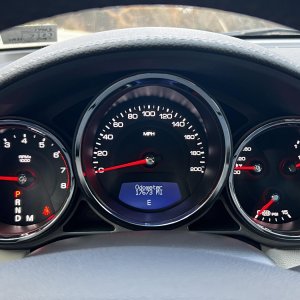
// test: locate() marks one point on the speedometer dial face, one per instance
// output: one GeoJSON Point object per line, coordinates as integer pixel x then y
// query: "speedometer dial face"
{"type": "Point", "coordinates": [162, 158]}
{"type": "Point", "coordinates": [264, 182]}
{"type": "Point", "coordinates": [36, 181]}
{"type": "Point", "coordinates": [146, 153]}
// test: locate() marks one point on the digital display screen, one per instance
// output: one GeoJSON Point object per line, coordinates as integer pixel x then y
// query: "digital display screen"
{"type": "Point", "coordinates": [150, 195]}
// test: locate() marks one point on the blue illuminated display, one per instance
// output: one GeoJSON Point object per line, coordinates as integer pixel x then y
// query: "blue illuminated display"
{"type": "Point", "coordinates": [150, 195]}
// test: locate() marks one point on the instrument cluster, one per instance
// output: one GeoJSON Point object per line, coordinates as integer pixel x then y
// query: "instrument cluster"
{"type": "Point", "coordinates": [150, 151]}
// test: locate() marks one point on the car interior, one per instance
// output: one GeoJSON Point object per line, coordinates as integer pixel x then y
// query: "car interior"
{"type": "Point", "coordinates": [150, 149]}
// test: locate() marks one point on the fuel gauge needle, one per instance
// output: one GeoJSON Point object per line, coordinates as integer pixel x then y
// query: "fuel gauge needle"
{"type": "Point", "coordinates": [273, 199]}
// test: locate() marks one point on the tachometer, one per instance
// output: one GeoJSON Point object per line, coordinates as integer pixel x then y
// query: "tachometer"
{"type": "Point", "coordinates": [152, 149]}
{"type": "Point", "coordinates": [36, 181]}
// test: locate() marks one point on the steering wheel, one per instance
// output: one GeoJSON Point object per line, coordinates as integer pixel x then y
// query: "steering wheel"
{"type": "Point", "coordinates": [153, 264]}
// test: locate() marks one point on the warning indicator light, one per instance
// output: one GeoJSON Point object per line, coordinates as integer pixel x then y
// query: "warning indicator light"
{"type": "Point", "coordinates": [46, 211]}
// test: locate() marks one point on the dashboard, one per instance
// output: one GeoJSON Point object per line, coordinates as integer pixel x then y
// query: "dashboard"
{"type": "Point", "coordinates": [157, 136]}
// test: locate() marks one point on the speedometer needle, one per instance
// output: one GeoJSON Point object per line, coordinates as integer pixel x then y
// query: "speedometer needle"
{"type": "Point", "coordinates": [9, 178]}
{"type": "Point", "coordinates": [148, 161]}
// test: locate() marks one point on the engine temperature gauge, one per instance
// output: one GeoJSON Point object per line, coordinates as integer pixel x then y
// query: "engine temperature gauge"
{"type": "Point", "coordinates": [264, 180]}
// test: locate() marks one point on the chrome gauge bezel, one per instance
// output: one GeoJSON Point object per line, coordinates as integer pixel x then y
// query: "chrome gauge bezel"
{"type": "Point", "coordinates": [129, 81]}
{"type": "Point", "coordinates": [38, 230]}
{"type": "Point", "coordinates": [243, 216]}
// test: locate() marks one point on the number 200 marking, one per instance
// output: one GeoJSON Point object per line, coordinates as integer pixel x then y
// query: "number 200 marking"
{"type": "Point", "coordinates": [196, 169]}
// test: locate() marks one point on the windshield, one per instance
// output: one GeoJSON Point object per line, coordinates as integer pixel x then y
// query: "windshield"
{"type": "Point", "coordinates": [63, 27]}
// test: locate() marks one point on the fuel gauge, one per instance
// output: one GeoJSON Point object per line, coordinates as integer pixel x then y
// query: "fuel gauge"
{"type": "Point", "coordinates": [272, 211]}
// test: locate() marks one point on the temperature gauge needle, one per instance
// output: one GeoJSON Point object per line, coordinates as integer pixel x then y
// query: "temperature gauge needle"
{"type": "Point", "coordinates": [148, 161]}
{"type": "Point", "coordinates": [9, 178]}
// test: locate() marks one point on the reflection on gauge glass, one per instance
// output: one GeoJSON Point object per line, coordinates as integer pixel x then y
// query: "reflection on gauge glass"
{"type": "Point", "coordinates": [36, 180]}
{"type": "Point", "coordinates": [264, 181]}
{"type": "Point", "coordinates": [152, 150]}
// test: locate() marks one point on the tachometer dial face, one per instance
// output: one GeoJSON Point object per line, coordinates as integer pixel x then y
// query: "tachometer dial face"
{"type": "Point", "coordinates": [148, 153]}
{"type": "Point", "coordinates": [264, 182]}
{"type": "Point", "coordinates": [36, 180]}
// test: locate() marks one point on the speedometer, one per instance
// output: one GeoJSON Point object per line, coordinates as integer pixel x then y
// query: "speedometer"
{"type": "Point", "coordinates": [152, 150]}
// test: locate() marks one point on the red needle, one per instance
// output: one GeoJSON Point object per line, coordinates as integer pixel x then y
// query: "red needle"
{"type": "Point", "coordinates": [9, 178]}
{"type": "Point", "coordinates": [246, 168]}
{"type": "Point", "coordinates": [144, 161]}
{"type": "Point", "coordinates": [266, 206]}
{"type": "Point", "coordinates": [298, 165]}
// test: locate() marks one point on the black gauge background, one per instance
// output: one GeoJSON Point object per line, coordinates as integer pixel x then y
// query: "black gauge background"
{"type": "Point", "coordinates": [37, 232]}
{"type": "Point", "coordinates": [219, 152]}
{"type": "Point", "coordinates": [273, 232]}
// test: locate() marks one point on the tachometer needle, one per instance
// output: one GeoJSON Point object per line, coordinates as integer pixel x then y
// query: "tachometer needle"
{"type": "Point", "coordinates": [148, 161]}
{"type": "Point", "coordinates": [297, 165]}
{"type": "Point", "coordinates": [9, 178]}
